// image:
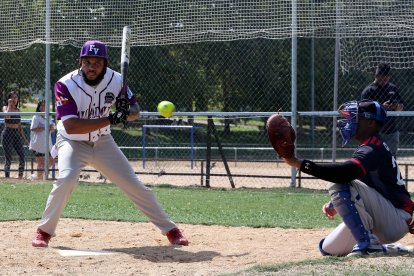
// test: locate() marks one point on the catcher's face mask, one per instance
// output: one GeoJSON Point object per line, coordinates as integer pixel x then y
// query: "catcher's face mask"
{"type": "Point", "coordinates": [348, 126]}
{"type": "Point", "coordinates": [371, 110]}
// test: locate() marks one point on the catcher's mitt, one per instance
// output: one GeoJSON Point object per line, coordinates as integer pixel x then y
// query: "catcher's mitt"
{"type": "Point", "coordinates": [281, 135]}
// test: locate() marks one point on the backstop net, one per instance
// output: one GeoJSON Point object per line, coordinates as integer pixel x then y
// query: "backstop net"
{"type": "Point", "coordinates": [223, 56]}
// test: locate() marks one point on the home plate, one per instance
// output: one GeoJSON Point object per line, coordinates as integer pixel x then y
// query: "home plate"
{"type": "Point", "coordinates": [79, 253]}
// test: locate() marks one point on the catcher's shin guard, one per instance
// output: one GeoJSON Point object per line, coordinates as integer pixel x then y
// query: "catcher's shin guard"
{"type": "Point", "coordinates": [345, 207]}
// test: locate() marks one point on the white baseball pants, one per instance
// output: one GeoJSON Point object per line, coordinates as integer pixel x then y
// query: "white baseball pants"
{"type": "Point", "coordinates": [106, 157]}
{"type": "Point", "coordinates": [377, 214]}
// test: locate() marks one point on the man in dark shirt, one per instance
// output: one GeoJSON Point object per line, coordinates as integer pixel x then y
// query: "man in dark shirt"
{"type": "Point", "coordinates": [367, 190]}
{"type": "Point", "coordinates": [387, 94]}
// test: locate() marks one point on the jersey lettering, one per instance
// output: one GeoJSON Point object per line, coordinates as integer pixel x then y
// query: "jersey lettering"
{"type": "Point", "coordinates": [93, 112]}
{"type": "Point", "coordinates": [386, 146]}
{"type": "Point", "coordinates": [400, 180]}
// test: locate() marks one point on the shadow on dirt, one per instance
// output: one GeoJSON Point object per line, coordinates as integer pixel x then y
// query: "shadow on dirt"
{"type": "Point", "coordinates": [164, 254]}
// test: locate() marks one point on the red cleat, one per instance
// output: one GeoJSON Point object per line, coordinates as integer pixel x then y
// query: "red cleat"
{"type": "Point", "coordinates": [41, 239]}
{"type": "Point", "coordinates": [176, 237]}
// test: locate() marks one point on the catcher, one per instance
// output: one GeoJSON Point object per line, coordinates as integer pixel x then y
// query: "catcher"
{"type": "Point", "coordinates": [367, 190]}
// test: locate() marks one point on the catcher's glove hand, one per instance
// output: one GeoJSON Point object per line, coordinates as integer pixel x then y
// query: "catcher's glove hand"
{"type": "Point", "coordinates": [329, 210]}
{"type": "Point", "coordinates": [281, 135]}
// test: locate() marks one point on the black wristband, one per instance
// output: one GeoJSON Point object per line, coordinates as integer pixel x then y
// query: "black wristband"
{"type": "Point", "coordinates": [307, 166]}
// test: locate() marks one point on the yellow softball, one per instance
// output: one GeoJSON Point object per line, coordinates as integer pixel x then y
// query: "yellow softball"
{"type": "Point", "coordinates": [166, 109]}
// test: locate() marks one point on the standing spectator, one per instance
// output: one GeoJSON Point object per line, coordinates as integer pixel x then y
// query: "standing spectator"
{"type": "Point", "coordinates": [387, 94]}
{"type": "Point", "coordinates": [38, 139]}
{"type": "Point", "coordinates": [12, 136]}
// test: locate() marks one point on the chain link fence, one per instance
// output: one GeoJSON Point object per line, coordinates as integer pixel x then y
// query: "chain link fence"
{"type": "Point", "coordinates": [248, 74]}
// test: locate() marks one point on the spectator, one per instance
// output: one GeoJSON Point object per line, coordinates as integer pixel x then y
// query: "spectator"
{"type": "Point", "coordinates": [37, 139]}
{"type": "Point", "coordinates": [386, 93]}
{"type": "Point", "coordinates": [13, 136]}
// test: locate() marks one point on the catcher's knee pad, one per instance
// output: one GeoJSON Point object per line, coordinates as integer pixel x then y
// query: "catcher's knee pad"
{"type": "Point", "coordinates": [323, 252]}
{"type": "Point", "coordinates": [345, 207]}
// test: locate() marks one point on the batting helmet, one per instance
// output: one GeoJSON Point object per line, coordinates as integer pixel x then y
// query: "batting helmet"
{"type": "Point", "coordinates": [94, 48]}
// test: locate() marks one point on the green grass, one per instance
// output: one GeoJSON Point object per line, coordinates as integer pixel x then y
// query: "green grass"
{"type": "Point", "coordinates": [338, 266]}
{"type": "Point", "coordinates": [240, 207]}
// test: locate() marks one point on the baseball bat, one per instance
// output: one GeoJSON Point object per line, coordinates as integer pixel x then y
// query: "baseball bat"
{"type": "Point", "coordinates": [126, 48]}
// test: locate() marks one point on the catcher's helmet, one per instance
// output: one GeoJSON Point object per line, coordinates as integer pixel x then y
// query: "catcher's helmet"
{"type": "Point", "coordinates": [352, 110]}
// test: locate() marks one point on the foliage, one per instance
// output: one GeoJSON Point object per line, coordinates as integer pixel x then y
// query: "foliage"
{"type": "Point", "coordinates": [244, 75]}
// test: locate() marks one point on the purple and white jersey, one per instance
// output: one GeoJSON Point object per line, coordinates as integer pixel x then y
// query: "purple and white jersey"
{"type": "Point", "coordinates": [76, 99]}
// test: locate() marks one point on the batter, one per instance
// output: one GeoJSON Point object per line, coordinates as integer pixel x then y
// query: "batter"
{"type": "Point", "coordinates": [83, 99]}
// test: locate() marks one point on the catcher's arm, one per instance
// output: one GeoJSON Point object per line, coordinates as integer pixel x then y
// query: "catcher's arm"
{"type": "Point", "coordinates": [282, 137]}
{"type": "Point", "coordinates": [293, 161]}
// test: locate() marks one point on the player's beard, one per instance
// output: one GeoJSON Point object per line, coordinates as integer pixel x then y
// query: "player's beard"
{"type": "Point", "coordinates": [95, 81]}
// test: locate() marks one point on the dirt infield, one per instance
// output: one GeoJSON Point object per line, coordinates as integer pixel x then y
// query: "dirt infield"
{"type": "Point", "coordinates": [140, 249]}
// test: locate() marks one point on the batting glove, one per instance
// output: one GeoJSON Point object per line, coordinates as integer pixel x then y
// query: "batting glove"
{"type": "Point", "coordinates": [122, 104]}
{"type": "Point", "coordinates": [118, 117]}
